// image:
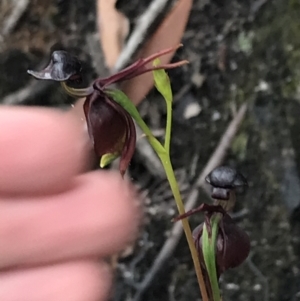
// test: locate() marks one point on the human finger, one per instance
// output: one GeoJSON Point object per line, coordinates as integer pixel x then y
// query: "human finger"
{"type": "Point", "coordinates": [40, 149]}
{"type": "Point", "coordinates": [99, 216]}
{"type": "Point", "coordinates": [84, 280]}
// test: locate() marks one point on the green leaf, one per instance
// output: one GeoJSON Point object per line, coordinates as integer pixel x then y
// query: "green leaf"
{"type": "Point", "coordinates": [162, 82]}
{"type": "Point", "coordinates": [209, 254]}
{"type": "Point", "coordinates": [107, 159]}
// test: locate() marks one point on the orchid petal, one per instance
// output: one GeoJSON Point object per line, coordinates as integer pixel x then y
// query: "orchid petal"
{"type": "Point", "coordinates": [129, 145]}
{"type": "Point", "coordinates": [106, 125]}
{"type": "Point", "coordinates": [110, 127]}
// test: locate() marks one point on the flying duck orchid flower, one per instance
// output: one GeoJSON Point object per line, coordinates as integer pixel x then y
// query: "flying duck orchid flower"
{"type": "Point", "coordinates": [110, 126]}
{"type": "Point", "coordinates": [219, 242]}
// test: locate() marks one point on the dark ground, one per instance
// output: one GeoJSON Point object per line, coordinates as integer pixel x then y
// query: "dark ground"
{"type": "Point", "coordinates": [238, 51]}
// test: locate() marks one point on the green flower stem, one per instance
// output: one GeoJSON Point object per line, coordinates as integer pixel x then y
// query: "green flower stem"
{"type": "Point", "coordinates": [168, 127]}
{"type": "Point", "coordinates": [166, 162]}
{"type": "Point", "coordinates": [209, 254]}
{"type": "Point", "coordinates": [164, 155]}
{"type": "Point", "coordinates": [162, 84]}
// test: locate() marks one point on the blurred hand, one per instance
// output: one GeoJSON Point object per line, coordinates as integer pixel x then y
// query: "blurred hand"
{"type": "Point", "coordinates": [56, 225]}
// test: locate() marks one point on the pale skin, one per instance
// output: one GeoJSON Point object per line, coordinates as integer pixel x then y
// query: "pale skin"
{"type": "Point", "coordinates": [58, 222]}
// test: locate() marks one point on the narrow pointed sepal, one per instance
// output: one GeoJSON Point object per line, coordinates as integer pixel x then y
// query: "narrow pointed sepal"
{"type": "Point", "coordinates": [139, 67]}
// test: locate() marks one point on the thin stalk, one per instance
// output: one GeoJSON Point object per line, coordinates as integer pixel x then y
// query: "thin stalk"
{"type": "Point", "coordinates": [164, 156]}
{"type": "Point", "coordinates": [162, 84]}
{"type": "Point", "coordinates": [163, 153]}
{"type": "Point", "coordinates": [77, 92]}
{"type": "Point", "coordinates": [166, 162]}
{"type": "Point", "coordinates": [168, 126]}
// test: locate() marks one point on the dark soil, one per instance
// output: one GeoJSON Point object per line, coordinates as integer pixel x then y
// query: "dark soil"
{"type": "Point", "coordinates": [239, 51]}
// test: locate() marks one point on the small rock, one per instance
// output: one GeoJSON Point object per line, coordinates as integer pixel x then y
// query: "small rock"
{"type": "Point", "coordinates": [262, 86]}
{"type": "Point", "coordinates": [216, 116]}
{"type": "Point", "coordinates": [198, 79]}
{"type": "Point", "coordinates": [257, 287]}
{"type": "Point", "coordinates": [192, 110]}
{"type": "Point", "coordinates": [232, 287]}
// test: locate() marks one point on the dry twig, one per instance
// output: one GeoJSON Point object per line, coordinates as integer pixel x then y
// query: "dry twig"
{"type": "Point", "coordinates": [168, 34]}
{"type": "Point", "coordinates": [21, 96]}
{"type": "Point", "coordinates": [113, 27]}
{"type": "Point", "coordinates": [148, 155]}
{"type": "Point", "coordinates": [18, 9]}
{"type": "Point", "coordinates": [260, 275]}
{"type": "Point", "coordinates": [138, 35]}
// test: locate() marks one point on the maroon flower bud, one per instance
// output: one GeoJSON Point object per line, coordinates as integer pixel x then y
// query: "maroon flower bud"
{"type": "Point", "coordinates": [232, 247]}
{"type": "Point", "coordinates": [62, 67]}
{"type": "Point", "coordinates": [223, 179]}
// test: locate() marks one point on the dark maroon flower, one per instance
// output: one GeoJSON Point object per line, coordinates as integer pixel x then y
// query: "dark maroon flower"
{"type": "Point", "coordinates": [233, 243]}
{"type": "Point", "coordinates": [232, 246]}
{"type": "Point", "coordinates": [110, 126]}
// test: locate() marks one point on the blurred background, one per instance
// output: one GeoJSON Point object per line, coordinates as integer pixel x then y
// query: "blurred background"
{"type": "Point", "coordinates": [242, 54]}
